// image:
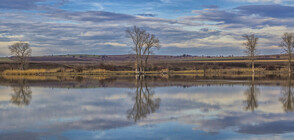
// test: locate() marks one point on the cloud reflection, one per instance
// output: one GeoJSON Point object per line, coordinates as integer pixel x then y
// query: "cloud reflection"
{"type": "Point", "coordinates": [210, 108]}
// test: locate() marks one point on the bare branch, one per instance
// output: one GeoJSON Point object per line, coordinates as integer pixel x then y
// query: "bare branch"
{"type": "Point", "coordinates": [250, 44]}
{"type": "Point", "coordinates": [287, 45]}
{"type": "Point", "coordinates": [143, 46]}
{"type": "Point", "coordinates": [21, 51]}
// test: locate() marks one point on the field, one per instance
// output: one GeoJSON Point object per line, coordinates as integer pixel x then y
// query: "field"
{"type": "Point", "coordinates": [158, 64]}
{"type": "Point", "coordinates": [5, 59]}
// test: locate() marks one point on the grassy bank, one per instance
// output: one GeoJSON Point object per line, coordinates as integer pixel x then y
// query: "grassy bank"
{"type": "Point", "coordinates": [72, 72]}
{"type": "Point", "coordinates": [64, 72]}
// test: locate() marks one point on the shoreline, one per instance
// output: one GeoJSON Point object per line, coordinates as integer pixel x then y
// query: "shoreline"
{"type": "Point", "coordinates": [103, 72]}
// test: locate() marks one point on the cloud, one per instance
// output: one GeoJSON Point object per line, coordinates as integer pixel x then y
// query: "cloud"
{"type": "Point", "coordinates": [98, 5]}
{"type": "Point", "coordinates": [29, 4]}
{"type": "Point", "coordinates": [86, 32]}
{"type": "Point", "coordinates": [115, 44]}
{"type": "Point", "coordinates": [210, 6]}
{"type": "Point", "coordinates": [147, 15]}
{"type": "Point", "coordinates": [238, 19]}
{"type": "Point", "coordinates": [4, 48]}
{"type": "Point", "coordinates": [92, 16]}
{"type": "Point", "coordinates": [165, 1]}
{"type": "Point", "coordinates": [275, 11]}
{"type": "Point", "coordinates": [67, 31]}
{"type": "Point", "coordinates": [19, 4]}
{"type": "Point", "coordinates": [260, 1]}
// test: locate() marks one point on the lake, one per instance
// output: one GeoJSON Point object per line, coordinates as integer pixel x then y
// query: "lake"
{"type": "Point", "coordinates": [164, 107]}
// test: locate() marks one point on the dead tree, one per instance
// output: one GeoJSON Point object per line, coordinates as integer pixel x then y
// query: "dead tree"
{"type": "Point", "coordinates": [21, 51]}
{"type": "Point", "coordinates": [144, 45]}
{"type": "Point", "coordinates": [151, 43]}
{"type": "Point", "coordinates": [251, 43]}
{"type": "Point", "coordinates": [139, 38]}
{"type": "Point", "coordinates": [288, 44]}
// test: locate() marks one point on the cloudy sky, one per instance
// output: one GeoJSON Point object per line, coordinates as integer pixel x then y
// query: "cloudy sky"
{"type": "Point", "coordinates": [197, 27]}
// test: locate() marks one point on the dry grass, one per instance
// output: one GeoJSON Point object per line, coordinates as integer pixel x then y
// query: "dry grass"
{"type": "Point", "coordinates": [241, 61]}
{"type": "Point", "coordinates": [63, 72]}
{"type": "Point", "coordinates": [71, 72]}
{"type": "Point", "coordinates": [53, 78]}
{"type": "Point", "coordinates": [24, 72]}
{"type": "Point", "coordinates": [30, 77]}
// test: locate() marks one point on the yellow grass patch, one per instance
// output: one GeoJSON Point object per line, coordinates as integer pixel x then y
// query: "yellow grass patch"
{"type": "Point", "coordinates": [24, 72]}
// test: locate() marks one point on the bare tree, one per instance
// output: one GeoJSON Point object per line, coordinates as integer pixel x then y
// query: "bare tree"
{"type": "Point", "coordinates": [21, 52]}
{"type": "Point", "coordinates": [288, 44]}
{"type": "Point", "coordinates": [144, 44]}
{"type": "Point", "coordinates": [251, 43]}
{"type": "Point", "coordinates": [139, 38]}
{"type": "Point", "coordinates": [151, 43]}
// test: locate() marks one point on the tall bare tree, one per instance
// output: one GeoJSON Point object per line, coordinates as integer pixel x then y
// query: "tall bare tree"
{"type": "Point", "coordinates": [144, 44]}
{"type": "Point", "coordinates": [139, 38]}
{"type": "Point", "coordinates": [288, 44]}
{"type": "Point", "coordinates": [151, 43]}
{"type": "Point", "coordinates": [251, 43]}
{"type": "Point", "coordinates": [21, 52]}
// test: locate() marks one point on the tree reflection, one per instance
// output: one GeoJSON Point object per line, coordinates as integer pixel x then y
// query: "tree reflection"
{"type": "Point", "coordinates": [287, 98]}
{"type": "Point", "coordinates": [22, 94]}
{"type": "Point", "coordinates": [144, 102]}
{"type": "Point", "coordinates": [251, 96]}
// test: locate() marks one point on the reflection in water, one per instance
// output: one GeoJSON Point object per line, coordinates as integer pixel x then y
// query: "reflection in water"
{"type": "Point", "coordinates": [144, 102]}
{"type": "Point", "coordinates": [251, 96]}
{"type": "Point", "coordinates": [22, 94]}
{"type": "Point", "coordinates": [208, 109]}
{"type": "Point", "coordinates": [287, 98]}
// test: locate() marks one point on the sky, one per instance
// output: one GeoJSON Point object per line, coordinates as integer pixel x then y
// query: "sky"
{"type": "Point", "coordinates": [196, 27]}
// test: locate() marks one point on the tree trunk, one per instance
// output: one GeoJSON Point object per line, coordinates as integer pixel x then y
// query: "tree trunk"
{"type": "Point", "coordinates": [21, 64]}
{"type": "Point", "coordinates": [290, 57]}
{"type": "Point", "coordinates": [252, 65]}
{"type": "Point", "coordinates": [146, 61]}
{"type": "Point", "coordinates": [137, 62]}
{"type": "Point", "coordinates": [141, 67]}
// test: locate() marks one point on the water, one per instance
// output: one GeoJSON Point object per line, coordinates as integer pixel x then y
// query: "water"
{"type": "Point", "coordinates": [150, 108]}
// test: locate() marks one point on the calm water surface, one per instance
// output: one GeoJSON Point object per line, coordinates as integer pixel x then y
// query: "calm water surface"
{"type": "Point", "coordinates": [125, 108]}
